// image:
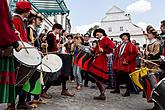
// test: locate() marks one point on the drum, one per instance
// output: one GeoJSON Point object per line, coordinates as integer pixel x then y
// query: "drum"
{"type": "Point", "coordinates": [26, 63]}
{"type": "Point", "coordinates": [53, 62]}
{"type": "Point", "coordinates": [149, 82]}
{"type": "Point", "coordinates": [67, 64]}
{"type": "Point", "coordinates": [44, 68]}
{"type": "Point", "coordinates": [158, 94]}
{"type": "Point", "coordinates": [33, 85]}
{"type": "Point", "coordinates": [136, 75]}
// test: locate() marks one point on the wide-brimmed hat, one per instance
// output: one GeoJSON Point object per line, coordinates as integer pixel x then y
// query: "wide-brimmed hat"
{"type": "Point", "coordinates": [100, 31]}
{"type": "Point", "coordinates": [126, 34]}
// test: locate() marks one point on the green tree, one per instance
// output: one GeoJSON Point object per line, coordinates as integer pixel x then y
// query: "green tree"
{"type": "Point", "coordinates": [92, 29]}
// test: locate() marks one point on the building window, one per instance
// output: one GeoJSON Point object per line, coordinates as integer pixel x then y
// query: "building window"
{"type": "Point", "coordinates": [110, 29]}
{"type": "Point", "coordinates": [121, 28]}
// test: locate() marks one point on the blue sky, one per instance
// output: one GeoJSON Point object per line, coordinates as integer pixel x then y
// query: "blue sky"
{"type": "Point", "coordinates": [143, 12]}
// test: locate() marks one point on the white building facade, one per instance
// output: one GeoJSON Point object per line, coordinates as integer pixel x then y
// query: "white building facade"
{"type": "Point", "coordinates": [117, 22]}
{"type": "Point", "coordinates": [61, 19]}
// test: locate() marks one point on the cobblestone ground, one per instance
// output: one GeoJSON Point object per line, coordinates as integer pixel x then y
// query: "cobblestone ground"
{"type": "Point", "coordinates": [83, 100]}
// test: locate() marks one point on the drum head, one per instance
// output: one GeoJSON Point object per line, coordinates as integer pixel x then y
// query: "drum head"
{"type": "Point", "coordinates": [53, 62]}
{"type": "Point", "coordinates": [31, 59]}
{"type": "Point", "coordinates": [44, 68]}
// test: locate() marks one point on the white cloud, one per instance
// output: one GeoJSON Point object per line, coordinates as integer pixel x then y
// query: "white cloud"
{"type": "Point", "coordinates": [139, 6]}
{"type": "Point", "coordinates": [84, 28]}
{"type": "Point", "coordinates": [144, 25]}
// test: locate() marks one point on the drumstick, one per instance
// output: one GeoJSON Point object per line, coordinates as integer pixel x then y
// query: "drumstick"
{"type": "Point", "coordinates": [149, 61]}
{"type": "Point", "coordinates": [47, 53]}
{"type": "Point", "coordinates": [22, 43]}
{"type": "Point", "coordinates": [155, 70]}
{"type": "Point", "coordinates": [28, 47]}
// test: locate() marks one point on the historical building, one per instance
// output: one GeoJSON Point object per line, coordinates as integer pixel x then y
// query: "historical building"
{"type": "Point", "coordinates": [117, 21]}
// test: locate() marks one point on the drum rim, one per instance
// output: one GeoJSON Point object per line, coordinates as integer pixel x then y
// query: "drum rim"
{"type": "Point", "coordinates": [40, 70]}
{"type": "Point", "coordinates": [156, 102]}
{"type": "Point", "coordinates": [60, 61]}
{"type": "Point", "coordinates": [33, 66]}
{"type": "Point", "coordinates": [157, 85]}
{"type": "Point", "coordinates": [23, 62]}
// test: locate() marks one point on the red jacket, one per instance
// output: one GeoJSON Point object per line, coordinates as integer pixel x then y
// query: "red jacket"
{"type": "Point", "coordinates": [20, 27]}
{"type": "Point", "coordinates": [129, 55]}
{"type": "Point", "coordinates": [52, 44]}
{"type": "Point", "coordinates": [99, 68]}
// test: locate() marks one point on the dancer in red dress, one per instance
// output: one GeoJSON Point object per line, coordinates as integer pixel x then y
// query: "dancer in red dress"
{"type": "Point", "coordinates": [99, 67]}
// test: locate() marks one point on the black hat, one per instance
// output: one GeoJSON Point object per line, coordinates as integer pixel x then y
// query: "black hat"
{"type": "Point", "coordinates": [127, 34]}
{"type": "Point", "coordinates": [100, 31]}
{"type": "Point", "coordinates": [87, 34]}
{"type": "Point", "coordinates": [70, 35]}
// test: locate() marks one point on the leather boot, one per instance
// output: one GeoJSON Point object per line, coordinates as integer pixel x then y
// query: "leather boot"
{"type": "Point", "coordinates": [45, 95]}
{"type": "Point", "coordinates": [100, 97]}
{"type": "Point", "coordinates": [10, 107]}
{"type": "Point", "coordinates": [66, 93]}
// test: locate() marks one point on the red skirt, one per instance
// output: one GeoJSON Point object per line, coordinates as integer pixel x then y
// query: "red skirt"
{"type": "Point", "coordinates": [99, 67]}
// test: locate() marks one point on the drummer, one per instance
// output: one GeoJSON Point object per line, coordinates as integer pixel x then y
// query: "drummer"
{"type": "Point", "coordinates": [7, 43]}
{"type": "Point", "coordinates": [22, 11]}
{"type": "Point", "coordinates": [153, 51]}
{"type": "Point", "coordinates": [53, 46]}
{"type": "Point", "coordinates": [34, 21]}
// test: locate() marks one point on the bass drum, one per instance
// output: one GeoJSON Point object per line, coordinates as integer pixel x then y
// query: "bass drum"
{"type": "Point", "coordinates": [149, 82]}
{"type": "Point", "coordinates": [53, 62]}
{"type": "Point", "coordinates": [26, 63]}
{"type": "Point", "coordinates": [158, 94]}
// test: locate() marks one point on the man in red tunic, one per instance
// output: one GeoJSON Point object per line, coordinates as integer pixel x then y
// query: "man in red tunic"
{"type": "Point", "coordinates": [124, 62]}
{"type": "Point", "coordinates": [99, 68]}
{"type": "Point", "coordinates": [22, 11]}
{"type": "Point", "coordinates": [54, 46]}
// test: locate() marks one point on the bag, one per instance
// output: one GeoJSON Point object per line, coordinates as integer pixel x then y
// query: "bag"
{"type": "Point", "coordinates": [6, 52]}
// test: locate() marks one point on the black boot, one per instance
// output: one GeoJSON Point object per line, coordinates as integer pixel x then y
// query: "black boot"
{"type": "Point", "coordinates": [115, 91]}
{"type": "Point", "coordinates": [24, 106]}
{"type": "Point", "coordinates": [126, 94]}
{"type": "Point", "coordinates": [100, 97]}
{"type": "Point", "coordinates": [101, 88]}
